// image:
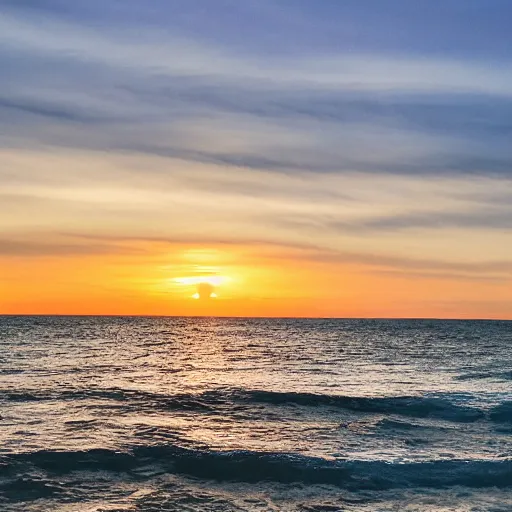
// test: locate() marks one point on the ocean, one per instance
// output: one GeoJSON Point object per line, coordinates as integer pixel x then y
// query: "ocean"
{"type": "Point", "coordinates": [210, 414]}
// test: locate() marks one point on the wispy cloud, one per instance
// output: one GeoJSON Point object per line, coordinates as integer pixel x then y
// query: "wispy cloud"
{"type": "Point", "coordinates": [363, 136]}
{"type": "Point", "coordinates": [499, 219]}
{"type": "Point", "coordinates": [172, 96]}
{"type": "Point", "coordinates": [38, 249]}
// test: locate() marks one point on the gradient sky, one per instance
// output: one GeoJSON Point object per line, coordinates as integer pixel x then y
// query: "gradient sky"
{"type": "Point", "coordinates": [303, 157]}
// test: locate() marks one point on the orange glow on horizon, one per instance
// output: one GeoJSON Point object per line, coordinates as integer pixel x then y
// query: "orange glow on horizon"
{"type": "Point", "coordinates": [244, 280]}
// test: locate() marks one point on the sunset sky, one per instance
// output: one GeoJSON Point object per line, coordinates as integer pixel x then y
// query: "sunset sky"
{"type": "Point", "coordinates": [287, 157]}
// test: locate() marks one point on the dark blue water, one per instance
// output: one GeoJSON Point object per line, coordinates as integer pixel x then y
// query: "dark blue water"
{"type": "Point", "coordinates": [181, 414]}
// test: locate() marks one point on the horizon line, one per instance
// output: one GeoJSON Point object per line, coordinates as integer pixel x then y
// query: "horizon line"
{"type": "Point", "coordinates": [84, 315]}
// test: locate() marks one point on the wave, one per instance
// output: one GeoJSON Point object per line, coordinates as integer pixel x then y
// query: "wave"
{"type": "Point", "coordinates": [229, 400]}
{"type": "Point", "coordinates": [28, 489]}
{"type": "Point", "coordinates": [502, 413]}
{"type": "Point", "coordinates": [252, 467]}
{"type": "Point", "coordinates": [414, 406]}
{"type": "Point", "coordinates": [501, 375]}
{"type": "Point", "coordinates": [205, 401]}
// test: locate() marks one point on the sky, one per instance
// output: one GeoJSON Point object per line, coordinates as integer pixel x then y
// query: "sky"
{"type": "Point", "coordinates": [256, 158]}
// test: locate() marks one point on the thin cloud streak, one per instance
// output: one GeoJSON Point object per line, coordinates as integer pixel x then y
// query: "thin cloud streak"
{"type": "Point", "coordinates": [33, 249]}
{"type": "Point", "coordinates": [167, 95]}
{"type": "Point", "coordinates": [80, 244]}
{"type": "Point", "coordinates": [162, 54]}
{"type": "Point", "coordinates": [477, 219]}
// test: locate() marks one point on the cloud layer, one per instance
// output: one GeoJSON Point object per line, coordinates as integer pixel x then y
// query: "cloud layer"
{"type": "Point", "coordinates": [362, 131]}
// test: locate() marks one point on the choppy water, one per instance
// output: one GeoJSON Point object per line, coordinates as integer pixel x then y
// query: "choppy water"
{"type": "Point", "coordinates": [176, 414]}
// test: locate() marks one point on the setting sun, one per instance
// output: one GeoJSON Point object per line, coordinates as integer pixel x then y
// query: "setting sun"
{"type": "Point", "coordinates": [204, 291]}
{"type": "Point", "coordinates": [205, 285]}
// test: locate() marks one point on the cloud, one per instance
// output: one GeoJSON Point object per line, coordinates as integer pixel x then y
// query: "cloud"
{"type": "Point", "coordinates": [241, 140]}
{"type": "Point", "coordinates": [500, 219]}
{"type": "Point", "coordinates": [502, 280]}
{"type": "Point", "coordinates": [167, 55]}
{"type": "Point", "coordinates": [402, 263]}
{"type": "Point", "coordinates": [129, 194]}
{"type": "Point", "coordinates": [261, 250]}
{"type": "Point", "coordinates": [38, 249]}
{"type": "Point", "coordinates": [69, 82]}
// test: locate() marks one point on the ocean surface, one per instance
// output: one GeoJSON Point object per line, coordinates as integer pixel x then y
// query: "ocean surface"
{"type": "Point", "coordinates": [190, 414]}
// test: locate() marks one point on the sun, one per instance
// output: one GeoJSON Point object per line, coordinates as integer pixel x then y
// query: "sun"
{"type": "Point", "coordinates": [198, 296]}
{"type": "Point", "coordinates": [205, 285]}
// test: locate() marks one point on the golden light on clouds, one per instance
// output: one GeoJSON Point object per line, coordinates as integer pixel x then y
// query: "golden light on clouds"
{"type": "Point", "coordinates": [211, 280]}
{"type": "Point", "coordinates": [204, 266]}
{"type": "Point", "coordinates": [162, 278]}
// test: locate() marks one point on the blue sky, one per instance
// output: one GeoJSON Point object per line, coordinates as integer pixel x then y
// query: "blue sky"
{"type": "Point", "coordinates": [375, 128]}
{"type": "Point", "coordinates": [433, 77]}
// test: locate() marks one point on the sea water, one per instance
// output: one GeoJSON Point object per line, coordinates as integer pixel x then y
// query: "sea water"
{"type": "Point", "coordinates": [210, 414]}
